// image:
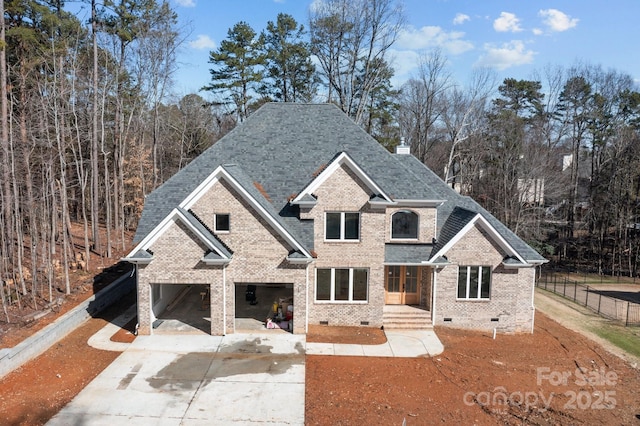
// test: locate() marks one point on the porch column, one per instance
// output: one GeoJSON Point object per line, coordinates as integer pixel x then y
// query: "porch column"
{"type": "Point", "coordinates": [144, 302]}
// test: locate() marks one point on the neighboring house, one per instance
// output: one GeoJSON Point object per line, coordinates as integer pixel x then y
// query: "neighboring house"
{"type": "Point", "coordinates": [299, 194]}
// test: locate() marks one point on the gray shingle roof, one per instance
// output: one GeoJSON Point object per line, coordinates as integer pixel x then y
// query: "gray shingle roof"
{"type": "Point", "coordinates": [512, 261]}
{"type": "Point", "coordinates": [428, 177]}
{"type": "Point", "coordinates": [407, 253]}
{"type": "Point", "coordinates": [283, 146]}
{"type": "Point", "coordinates": [206, 233]}
{"type": "Point", "coordinates": [457, 220]}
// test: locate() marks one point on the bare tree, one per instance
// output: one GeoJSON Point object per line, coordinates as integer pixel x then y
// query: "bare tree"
{"type": "Point", "coordinates": [464, 116]}
{"type": "Point", "coordinates": [95, 108]}
{"type": "Point", "coordinates": [4, 146]}
{"type": "Point", "coordinates": [351, 39]}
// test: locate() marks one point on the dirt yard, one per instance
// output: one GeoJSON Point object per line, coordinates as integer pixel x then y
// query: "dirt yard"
{"type": "Point", "coordinates": [552, 377]}
{"type": "Point", "coordinates": [34, 393]}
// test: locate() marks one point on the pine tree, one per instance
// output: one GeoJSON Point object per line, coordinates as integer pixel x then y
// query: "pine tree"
{"type": "Point", "coordinates": [238, 68]}
{"type": "Point", "coordinates": [289, 65]}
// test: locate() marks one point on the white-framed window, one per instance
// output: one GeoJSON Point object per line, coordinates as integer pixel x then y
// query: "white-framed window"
{"type": "Point", "coordinates": [342, 284]}
{"type": "Point", "coordinates": [221, 222]}
{"type": "Point", "coordinates": [342, 226]}
{"type": "Point", "coordinates": [404, 225]}
{"type": "Point", "coordinates": [474, 282]}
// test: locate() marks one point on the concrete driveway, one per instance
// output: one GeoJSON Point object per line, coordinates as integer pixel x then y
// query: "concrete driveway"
{"type": "Point", "coordinates": [193, 380]}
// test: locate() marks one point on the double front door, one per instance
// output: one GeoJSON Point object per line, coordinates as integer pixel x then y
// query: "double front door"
{"type": "Point", "coordinates": [402, 285]}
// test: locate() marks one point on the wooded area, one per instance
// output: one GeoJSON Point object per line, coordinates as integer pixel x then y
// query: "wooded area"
{"type": "Point", "coordinates": [90, 125]}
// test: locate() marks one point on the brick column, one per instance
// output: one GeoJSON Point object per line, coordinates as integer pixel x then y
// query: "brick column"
{"type": "Point", "coordinates": [144, 302]}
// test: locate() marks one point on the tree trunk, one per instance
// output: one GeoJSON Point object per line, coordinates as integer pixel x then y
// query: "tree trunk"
{"type": "Point", "coordinates": [95, 199]}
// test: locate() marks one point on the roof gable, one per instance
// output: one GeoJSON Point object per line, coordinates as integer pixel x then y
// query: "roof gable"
{"type": "Point", "coordinates": [137, 255]}
{"type": "Point", "coordinates": [459, 223]}
{"type": "Point", "coordinates": [242, 184]}
{"type": "Point", "coordinates": [342, 159]}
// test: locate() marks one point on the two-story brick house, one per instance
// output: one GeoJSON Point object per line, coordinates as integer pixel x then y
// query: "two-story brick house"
{"type": "Point", "coordinates": [299, 194]}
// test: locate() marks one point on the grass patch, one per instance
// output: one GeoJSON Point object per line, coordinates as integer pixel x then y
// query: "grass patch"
{"type": "Point", "coordinates": [626, 338]}
{"type": "Point", "coordinates": [588, 279]}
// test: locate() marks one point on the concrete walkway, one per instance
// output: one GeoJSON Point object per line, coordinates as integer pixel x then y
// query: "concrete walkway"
{"type": "Point", "coordinates": [234, 379]}
{"type": "Point", "coordinates": [400, 343]}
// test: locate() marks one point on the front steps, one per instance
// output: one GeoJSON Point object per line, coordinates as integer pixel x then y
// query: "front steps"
{"type": "Point", "coordinates": [405, 317]}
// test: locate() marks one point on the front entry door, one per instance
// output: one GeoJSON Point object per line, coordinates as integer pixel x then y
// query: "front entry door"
{"type": "Point", "coordinates": [401, 287]}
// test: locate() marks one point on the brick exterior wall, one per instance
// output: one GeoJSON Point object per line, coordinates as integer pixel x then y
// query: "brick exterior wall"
{"type": "Point", "coordinates": [259, 256]}
{"type": "Point", "coordinates": [426, 223]}
{"type": "Point", "coordinates": [177, 254]}
{"type": "Point", "coordinates": [425, 287]}
{"type": "Point", "coordinates": [259, 252]}
{"type": "Point", "coordinates": [343, 191]}
{"type": "Point", "coordinates": [511, 289]}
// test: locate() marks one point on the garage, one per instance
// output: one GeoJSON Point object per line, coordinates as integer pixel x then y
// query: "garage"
{"type": "Point", "coordinates": [255, 303]}
{"type": "Point", "coordinates": [180, 309]}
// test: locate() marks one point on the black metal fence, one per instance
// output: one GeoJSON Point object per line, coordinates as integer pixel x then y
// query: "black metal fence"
{"type": "Point", "coordinates": [609, 307]}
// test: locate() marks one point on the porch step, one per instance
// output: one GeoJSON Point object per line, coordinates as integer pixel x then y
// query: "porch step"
{"type": "Point", "coordinates": [396, 317]}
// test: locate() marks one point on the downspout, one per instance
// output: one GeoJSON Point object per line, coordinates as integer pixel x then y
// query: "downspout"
{"type": "Point", "coordinates": [435, 296]}
{"type": "Point", "coordinates": [224, 300]}
{"type": "Point", "coordinates": [306, 308]}
{"type": "Point", "coordinates": [135, 271]}
{"type": "Point", "coordinates": [533, 307]}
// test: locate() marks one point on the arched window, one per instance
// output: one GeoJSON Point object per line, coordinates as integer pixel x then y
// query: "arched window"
{"type": "Point", "coordinates": [404, 225]}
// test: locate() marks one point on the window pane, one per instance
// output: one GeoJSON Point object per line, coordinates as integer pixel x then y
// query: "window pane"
{"type": "Point", "coordinates": [155, 293]}
{"type": "Point", "coordinates": [462, 282]}
{"type": "Point", "coordinates": [485, 291]}
{"type": "Point", "coordinates": [360, 284]}
{"type": "Point", "coordinates": [404, 224]}
{"type": "Point", "coordinates": [351, 226]}
{"type": "Point", "coordinates": [333, 226]}
{"type": "Point", "coordinates": [222, 222]}
{"type": "Point", "coordinates": [393, 279]}
{"type": "Point", "coordinates": [323, 284]}
{"type": "Point", "coordinates": [342, 284]}
{"type": "Point", "coordinates": [411, 279]}
{"type": "Point", "coordinates": [473, 282]}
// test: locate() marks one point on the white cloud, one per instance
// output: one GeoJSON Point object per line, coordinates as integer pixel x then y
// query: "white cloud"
{"type": "Point", "coordinates": [431, 36]}
{"type": "Point", "coordinates": [557, 21]}
{"type": "Point", "coordinates": [505, 56]}
{"type": "Point", "coordinates": [507, 22]}
{"type": "Point", "coordinates": [461, 18]}
{"type": "Point", "coordinates": [404, 62]}
{"type": "Point", "coordinates": [202, 42]}
{"type": "Point", "coordinates": [186, 3]}
{"type": "Point", "coordinates": [537, 31]}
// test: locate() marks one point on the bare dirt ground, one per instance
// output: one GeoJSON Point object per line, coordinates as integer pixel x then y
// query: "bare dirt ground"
{"type": "Point", "coordinates": [83, 284]}
{"type": "Point", "coordinates": [552, 377]}
{"type": "Point", "coordinates": [34, 393]}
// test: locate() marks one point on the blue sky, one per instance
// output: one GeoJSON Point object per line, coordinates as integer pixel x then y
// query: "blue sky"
{"type": "Point", "coordinates": [514, 37]}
